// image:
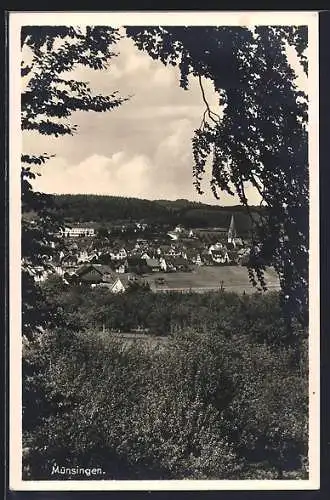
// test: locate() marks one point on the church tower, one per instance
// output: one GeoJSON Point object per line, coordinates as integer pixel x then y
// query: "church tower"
{"type": "Point", "coordinates": [232, 234]}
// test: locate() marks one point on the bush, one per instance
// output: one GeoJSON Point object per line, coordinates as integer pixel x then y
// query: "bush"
{"type": "Point", "coordinates": [258, 316]}
{"type": "Point", "coordinates": [203, 405]}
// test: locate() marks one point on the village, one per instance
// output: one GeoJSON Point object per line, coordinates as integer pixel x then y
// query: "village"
{"type": "Point", "coordinates": [180, 259]}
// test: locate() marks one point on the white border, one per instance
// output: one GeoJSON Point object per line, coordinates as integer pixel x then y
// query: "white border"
{"type": "Point", "coordinates": [16, 20]}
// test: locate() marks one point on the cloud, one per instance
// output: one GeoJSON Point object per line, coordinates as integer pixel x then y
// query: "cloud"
{"type": "Point", "coordinates": [166, 174]}
{"type": "Point", "coordinates": [132, 63]}
{"type": "Point", "coordinates": [163, 76]}
{"type": "Point", "coordinates": [143, 148]}
{"type": "Point", "coordinates": [117, 175]}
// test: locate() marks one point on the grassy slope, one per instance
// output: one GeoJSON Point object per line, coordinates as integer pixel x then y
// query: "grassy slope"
{"type": "Point", "coordinates": [235, 278]}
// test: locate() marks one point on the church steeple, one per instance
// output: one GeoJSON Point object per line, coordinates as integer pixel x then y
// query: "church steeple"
{"type": "Point", "coordinates": [232, 234]}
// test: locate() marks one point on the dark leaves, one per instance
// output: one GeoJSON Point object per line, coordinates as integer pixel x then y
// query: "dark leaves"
{"type": "Point", "coordinates": [47, 102]}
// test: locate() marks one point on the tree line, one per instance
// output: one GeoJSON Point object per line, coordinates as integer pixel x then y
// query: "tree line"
{"type": "Point", "coordinates": [102, 209]}
{"type": "Point", "coordinates": [80, 307]}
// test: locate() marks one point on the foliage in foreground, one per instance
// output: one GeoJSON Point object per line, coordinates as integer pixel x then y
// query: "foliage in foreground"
{"type": "Point", "coordinates": [49, 97]}
{"type": "Point", "coordinates": [201, 406]}
{"type": "Point", "coordinates": [82, 308]}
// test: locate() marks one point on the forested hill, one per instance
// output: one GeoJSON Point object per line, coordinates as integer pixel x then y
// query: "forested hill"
{"type": "Point", "coordinates": [83, 208]}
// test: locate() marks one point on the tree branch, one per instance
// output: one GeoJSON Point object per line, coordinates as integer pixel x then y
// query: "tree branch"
{"type": "Point", "coordinates": [209, 111]}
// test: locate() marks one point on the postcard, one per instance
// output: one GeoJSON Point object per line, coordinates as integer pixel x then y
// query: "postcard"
{"type": "Point", "coordinates": [164, 251]}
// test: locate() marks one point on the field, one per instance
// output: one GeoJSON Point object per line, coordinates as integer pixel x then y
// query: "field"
{"type": "Point", "coordinates": [208, 278]}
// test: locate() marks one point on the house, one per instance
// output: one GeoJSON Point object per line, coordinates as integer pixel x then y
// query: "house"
{"type": "Point", "coordinates": [164, 249]}
{"type": "Point", "coordinates": [153, 265]}
{"type": "Point", "coordinates": [39, 274]}
{"type": "Point", "coordinates": [243, 256]}
{"type": "Point", "coordinates": [129, 279]}
{"type": "Point", "coordinates": [69, 260]}
{"type": "Point", "coordinates": [119, 284]}
{"type": "Point", "coordinates": [73, 248]}
{"type": "Point", "coordinates": [179, 229]}
{"type": "Point", "coordinates": [176, 250]}
{"type": "Point", "coordinates": [220, 232]}
{"type": "Point", "coordinates": [220, 256]}
{"type": "Point", "coordinates": [130, 247]}
{"type": "Point", "coordinates": [207, 259]}
{"type": "Point", "coordinates": [237, 243]}
{"type": "Point", "coordinates": [145, 256]}
{"type": "Point", "coordinates": [194, 256]}
{"type": "Point", "coordinates": [233, 256]}
{"type": "Point", "coordinates": [58, 269]}
{"type": "Point", "coordinates": [95, 274]}
{"type": "Point", "coordinates": [171, 251]}
{"type": "Point", "coordinates": [215, 248]}
{"type": "Point", "coordinates": [141, 226]}
{"type": "Point", "coordinates": [219, 253]}
{"type": "Point", "coordinates": [119, 254]}
{"type": "Point", "coordinates": [47, 258]}
{"type": "Point", "coordinates": [135, 252]}
{"type": "Point", "coordinates": [163, 264]}
{"type": "Point", "coordinates": [83, 256]}
{"type": "Point", "coordinates": [173, 235]}
{"type": "Point", "coordinates": [114, 286]}
{"type": "Point", "coordinates": [134, 260]}
{"type": "Point", "coordinates": [121, 266]}
{"type": "Point", "coordinates": [141, 245]}
{"type": "Point", "coordinates": [198, 260]}
{"type": "Point", "coordinates": [170, 264]}
{"type": "Point", "coordinates": [77, 231]}
{"type": "Point", "coordinates": [94, 256]}
{"type": "Point", "coordinates": [180, 264]}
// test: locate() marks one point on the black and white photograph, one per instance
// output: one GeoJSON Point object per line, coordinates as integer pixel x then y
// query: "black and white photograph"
{"type": "Point", "coordinates": [164, 315]}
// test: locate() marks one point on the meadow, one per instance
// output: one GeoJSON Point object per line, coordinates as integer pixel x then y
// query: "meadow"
{"type": "Point", "coordinates": [207, 278]}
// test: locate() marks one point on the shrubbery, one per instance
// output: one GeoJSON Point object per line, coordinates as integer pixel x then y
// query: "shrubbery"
{"type": "Point", "coordinates": [81, 308]}
{"type": "Point", "coordinates": [215, 401]}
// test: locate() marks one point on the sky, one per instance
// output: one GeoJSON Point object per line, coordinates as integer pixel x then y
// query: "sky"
{"type": "Point", "coordinates": [140, 149]}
